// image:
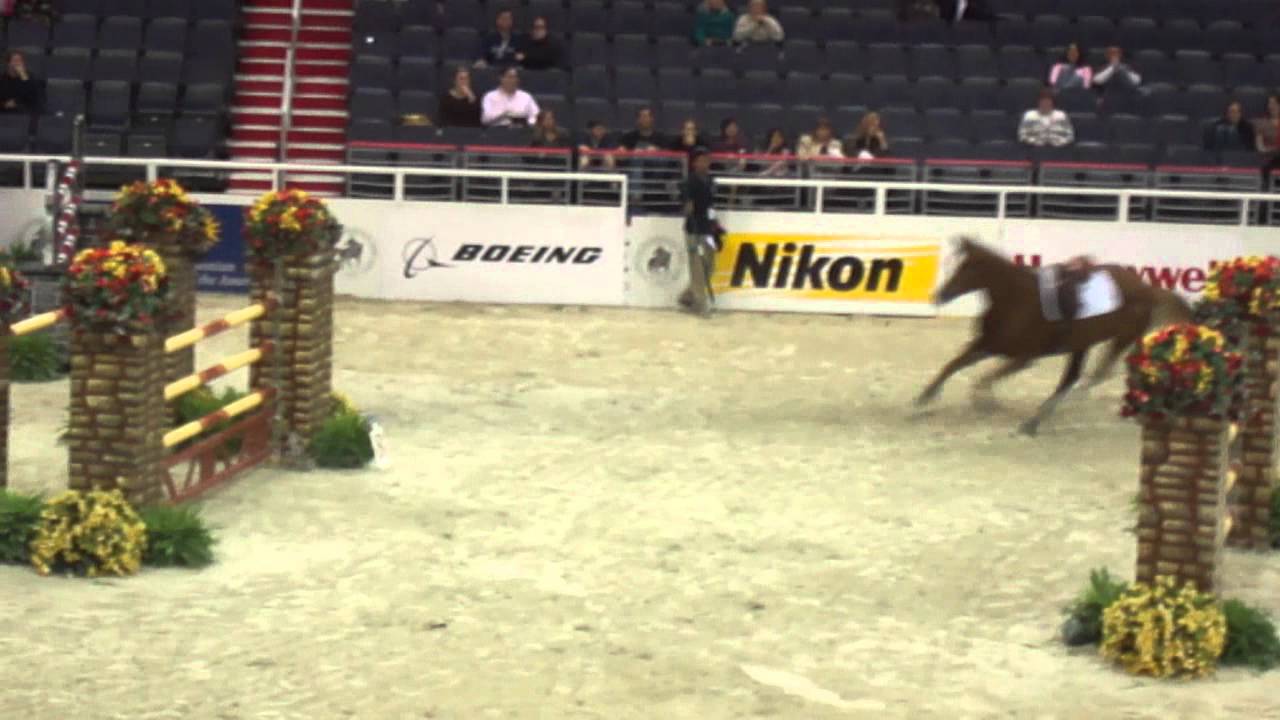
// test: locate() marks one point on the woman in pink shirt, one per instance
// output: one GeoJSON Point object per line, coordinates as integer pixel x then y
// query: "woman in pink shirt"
{"type": "Point", "coordinates": [1070, 71]}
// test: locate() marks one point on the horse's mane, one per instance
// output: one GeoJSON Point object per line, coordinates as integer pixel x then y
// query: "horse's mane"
{"type": "Point", "coordinates": [983, 252]}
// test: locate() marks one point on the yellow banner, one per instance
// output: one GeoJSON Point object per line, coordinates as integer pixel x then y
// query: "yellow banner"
{"type": "Point", "coordinates": [865, 268]}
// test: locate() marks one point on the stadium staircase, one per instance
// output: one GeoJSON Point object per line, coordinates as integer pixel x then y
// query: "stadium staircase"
{"type": "Point", "coordinates": [291, 84]}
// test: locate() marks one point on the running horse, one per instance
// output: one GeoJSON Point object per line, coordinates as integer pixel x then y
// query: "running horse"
{"type": "Point", "coordinates": [1014, 326]}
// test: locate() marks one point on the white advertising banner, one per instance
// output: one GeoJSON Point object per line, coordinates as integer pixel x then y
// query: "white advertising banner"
{"type": "Point", "coordinates": [482, 253]}
{"type": "Point", "coordinates": [1174, 257]}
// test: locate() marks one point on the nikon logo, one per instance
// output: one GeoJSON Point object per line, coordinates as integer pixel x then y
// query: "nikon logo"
{"type": "Point", "coordinates": [797, 267]}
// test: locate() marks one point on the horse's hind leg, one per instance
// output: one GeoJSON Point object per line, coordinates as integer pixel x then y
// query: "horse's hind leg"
{"type": "Point", "coordinates": [1069, 378]}
{"type": "Point", "coordinates": [1117, 348]}
{"type": "Point", "coordinates": [982, 394]}
{"type": "Point", "coordinates": [970, 355]}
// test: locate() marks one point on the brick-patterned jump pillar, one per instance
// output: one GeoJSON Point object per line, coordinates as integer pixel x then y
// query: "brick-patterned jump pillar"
{"type": "Point", "coordinates": [305, 344]}
{"type": "Point", "coordinates": [1251, 498]}
{"type": "Point", "coordinates": [1182, 500]}
{"type": "Point", "coordinates": [118, 415]}
{"type": "Point", "coordinates": [180, 266]}
{"type": "Point", "coordinates": [4, 404]}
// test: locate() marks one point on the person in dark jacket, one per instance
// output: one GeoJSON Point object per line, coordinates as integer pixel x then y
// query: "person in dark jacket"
{"type": "Point", "coordinates": [459, 107]}
{"type": "Point", "coordinates": [500, 46]}
{"type": "Point", "coordinates": [538, 50]}
{"type": "Point", "coordinates": [702, 233]}
{"type": "Point", "coordinates": [1230, 132]}
{"type": "Point", "coordinates": [19, 91]}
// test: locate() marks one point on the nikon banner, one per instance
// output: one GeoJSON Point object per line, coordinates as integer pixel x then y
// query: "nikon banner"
{"type": "Point", "coordinates": [847, 272]}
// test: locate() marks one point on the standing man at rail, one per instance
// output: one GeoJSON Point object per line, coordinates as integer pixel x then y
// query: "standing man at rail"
{"type": "Point", "coordinates": [702, 233]}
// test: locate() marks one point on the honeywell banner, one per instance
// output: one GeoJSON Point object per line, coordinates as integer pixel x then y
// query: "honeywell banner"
{"type": "Point", "coordinates": [1174, 257]}
{"type": "Point", "coordinates": [481, 253]}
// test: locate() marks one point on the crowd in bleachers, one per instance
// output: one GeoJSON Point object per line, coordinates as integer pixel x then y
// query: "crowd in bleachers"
{"type": "Point", "coordinates": [154, 77]}
{"type": "Point", "coordinates": [1146, 81]}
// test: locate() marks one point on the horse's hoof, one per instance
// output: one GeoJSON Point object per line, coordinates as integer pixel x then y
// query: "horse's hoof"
{"type": "Point", "coordinates": [923, 400]}
{"type": "Point", "coordinates": [1029, 428]}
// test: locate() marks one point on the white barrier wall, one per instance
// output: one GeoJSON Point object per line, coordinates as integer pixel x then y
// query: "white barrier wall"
{"type": "Point", "coordinates": [24, 215]}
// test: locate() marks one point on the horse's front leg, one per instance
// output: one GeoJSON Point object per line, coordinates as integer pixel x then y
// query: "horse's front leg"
{"type": "Point", "coordinates": [970, 355]}
{"type": "Point", "coordinates": [1069, 378]}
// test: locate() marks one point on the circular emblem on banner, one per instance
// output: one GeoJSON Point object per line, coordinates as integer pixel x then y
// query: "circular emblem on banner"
{"type": "Point", "coordinates": [357, 253]}
{"type": "Point", "coordinates": [659, 260]}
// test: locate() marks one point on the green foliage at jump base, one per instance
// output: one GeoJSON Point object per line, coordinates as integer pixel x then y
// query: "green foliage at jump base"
{"type": "Point", "coordinates": [343, 440]}
{"type": "Point", "coordinates": [34, 358]}
{"type": "Point", "coordinates": [204, 401]}
{"type": "Point", "coordinates": [1251, 638]}
{"type": "Point", "coordinates": [175, 536]}
{"type": "Point", "coordinates": [19, 517]}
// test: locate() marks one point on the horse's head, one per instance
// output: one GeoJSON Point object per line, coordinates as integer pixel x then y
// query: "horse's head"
{"type": "Point", "coordinates": [968, 275]}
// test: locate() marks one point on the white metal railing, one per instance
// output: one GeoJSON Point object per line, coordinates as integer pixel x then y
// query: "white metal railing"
{"type": "Point", "coordinates": [286, 96]}
{"type": "Point", "coordinates": [1002, 192]}
{"type": "Point", "coordinates": [278, 169]}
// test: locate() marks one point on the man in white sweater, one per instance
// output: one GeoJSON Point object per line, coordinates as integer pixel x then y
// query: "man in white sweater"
{"type": "Point", "coordinates": [1046, 125]}
{"type": "Point", "coordinates": [507, 104]}
{"type": "Point", "coordinates": [756, 25]}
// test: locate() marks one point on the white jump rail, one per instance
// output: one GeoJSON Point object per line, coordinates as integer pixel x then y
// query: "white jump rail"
{"type": "Point", "coordinates": [279, 169]}
{"type": "Point", "coordinates": [1002, 192]}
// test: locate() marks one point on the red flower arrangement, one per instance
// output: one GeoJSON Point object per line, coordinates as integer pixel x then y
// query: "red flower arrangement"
{"type": "Point", "coordinates": [289, 223]}
{"type": "Point", "coordinates": [162, 209]}
{"type": "Point", "coordinates": [117, 285]}
{"type": "Point", "coordinates": [1183, 370]}
{"type": "Point", "coordinates": [15, 295]}
{"type": "Point", "coordinates": [1243, 290]}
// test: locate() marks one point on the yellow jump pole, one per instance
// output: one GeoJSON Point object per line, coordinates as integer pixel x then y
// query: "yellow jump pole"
{"type": "Point", "coordinates": [229, 365]}
{"type": "Point", "coordinates": [228, 321]}
{"type": "Point", "coordinates": [195, 427]}
{"type": "Point", "coordinates": [38, 322]}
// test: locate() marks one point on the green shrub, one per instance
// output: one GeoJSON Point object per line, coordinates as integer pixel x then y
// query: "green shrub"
{"type": "Point", "coordinates": [176, 537]}
{"type": "Point", "coordinates": [342, 442]}
{"type": "Point", "coordinates": [20, 253]}
{"type": "Point", "coordinates": [19, 517]}
{"type": "Point", "coordinates": [1251, 637]}
{"type": "Point", "coordinates": [1084, 624]}
{"type": "Point", "coordinates": [203, 401]}
{"type": "Point", "coordinates": [33, 358]}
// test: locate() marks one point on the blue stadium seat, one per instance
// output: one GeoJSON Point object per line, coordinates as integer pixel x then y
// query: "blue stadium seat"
{"type": "Point", "coordinates": [120, 33]}
{"type": "Point", "coordinates": [110, 104]}
{"type": "Point", "coordinates": [167, 34]}
{"type": "Point", "coordinates": [180, 9]}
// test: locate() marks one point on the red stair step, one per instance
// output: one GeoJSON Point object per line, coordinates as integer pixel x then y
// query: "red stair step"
{"type": "Point", "coordinates": [303, 122]}
{"type": "Point", "coordinates": [319, 103]}
{"type": "Point", "coordinates": [257, 101]}
{"type": "Point", "coordinates": [255, 17]}
{"type": "Point", "coordinates": [263, 52]}
{"type": "Point", "coordinates": [327, 4]}
{"type": "Point", "coordinates": [260, 67]}
{"type": "Point", "coordinates": [307, 154]}
{"type": "Point", "coordinates": [323, 53]}
{"type": "Point", "coordinates": [261, 86]}
{"type": "Point", "coordinates": [254, 134]}
{"type": "Point", "coordinates": [317, 135]}
{"type": "Point", "coordinates": [255, 117]}
{"type": "Point", "coordinates": [316, 20]}
{"type": "Point", "coordinates": [254, 154]}
{"type": "Point", "coordinates": [312, 87]}
{"type": "Point", "coordinates": [285, 4]}
{"type": "Point", "coordinates": [270, 34]}
{"type": "Point", "coordinates": [324, 35]}
{"type": "Point", "coordinates": [306, 69]}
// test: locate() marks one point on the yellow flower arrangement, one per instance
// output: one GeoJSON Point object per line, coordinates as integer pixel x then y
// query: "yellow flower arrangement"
{"type": "Point", "coordinates": [1245, 288]}
{"type": "Point", "coordinates": [160, 209]}
{"type": "Point", "coordinates": [120, 283]}
{"type": "Point", "coordinates": [289, 223]}
{"type": "Point", "coordinates": [92, 533]}
{"type": "Point", "coordinates": [1183, 369]}
{"type": "Point", "coordinates": [14, 295]}
{"type": "Point", "coordinates": [1162, 630]}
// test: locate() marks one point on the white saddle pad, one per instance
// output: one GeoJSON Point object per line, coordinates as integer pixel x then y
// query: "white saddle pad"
{"type": "Point", "coordinates": [1099, 294]}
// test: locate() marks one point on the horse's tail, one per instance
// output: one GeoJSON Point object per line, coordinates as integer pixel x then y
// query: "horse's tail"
{"type": "Point", "coordinates": [1170, 309]}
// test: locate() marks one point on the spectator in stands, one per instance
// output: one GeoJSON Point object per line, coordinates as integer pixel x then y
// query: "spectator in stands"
{"type": "Point", "coordinates": [868, 140]}
{"type": "Point", "coordinates": [499, 47]}
{"type": "Point", "coordinates": [1230, 132]}
{"type": "Point", "coordinates": [1267, 131]}
{"type": "Point", "coordinates": [591, 150]}
{"type": "Point", "coordinates": [1046, 125]}
{"type": "Point", "coordinates": [507, 104]}
{"type": "Point", "coordinates": [953, 11]}
{"type": "Point", "coordinates": [690, 138]}
{"type": "Point", "coordinates": [644, 136]}
{"type": "Point", "coordinates": [713, 24]}
{"type": "Point", "coordinates": [756, 25]}
{"type": "Point", "coordinates": [776, 145]}
{"type": "Point", "coordinates": [1071, 71]}
{"type": "Point", "coordinates": [539, 51]}
{"type": "Point", "coordinates": [820, 143]}
{"type": "Point", "coordinates": [459, 107]}
{"type": "Point", "coordinates": [1117, 74]}
{"type": "Point", "coordinates": [19, 91]}
{"type": "Point", "coordinates": [730, 139]}
{"type": "Point", "coordinates": [546, 133]}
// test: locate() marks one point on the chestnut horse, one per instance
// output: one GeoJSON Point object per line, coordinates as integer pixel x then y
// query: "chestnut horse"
{"type": "Point", "coordinates": [1014, 327]}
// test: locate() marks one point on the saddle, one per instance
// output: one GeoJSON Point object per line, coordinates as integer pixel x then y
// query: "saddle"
{"type": "Point", "coordinates": [1074, 293]}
